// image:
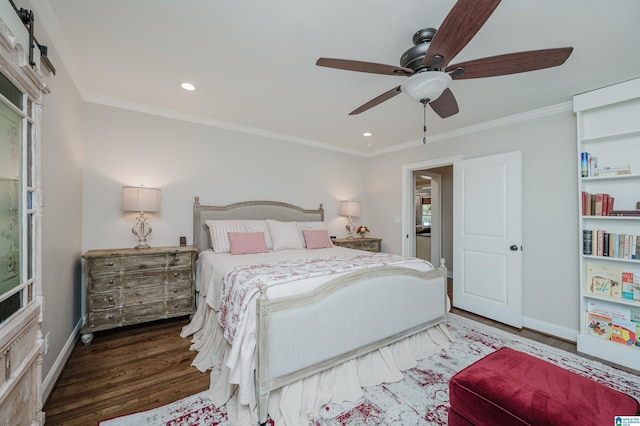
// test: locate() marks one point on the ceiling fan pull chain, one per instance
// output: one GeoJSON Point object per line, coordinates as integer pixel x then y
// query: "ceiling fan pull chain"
{"type": "Point", "coordinates": [424, 128]}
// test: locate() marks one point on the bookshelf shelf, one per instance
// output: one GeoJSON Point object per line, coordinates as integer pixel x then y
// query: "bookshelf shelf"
{"type": "Point", "coordinates": [609, 285]}
{"type": "Point", "coordinates": [593, 217]}
{"type": "Point", "coordinates": [635, 303]}
{"type": "Point", "coordinates": [611, 259]}
{"type": "Point", "coordinates": [617, 177]}
{"type": "Point", "coordinates": [610, 136]}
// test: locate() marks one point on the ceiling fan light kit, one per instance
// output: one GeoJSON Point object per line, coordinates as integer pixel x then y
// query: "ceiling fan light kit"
{"type": "Point", "coordinates": [426, 85]}
{"type": "Point", "coordinates": [427, 67]}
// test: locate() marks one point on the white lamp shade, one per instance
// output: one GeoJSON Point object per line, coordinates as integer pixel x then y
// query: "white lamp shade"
{"type": "Point", "coordinates": [350, 208]}
{"type": "Point", "coordinates": [140, 199]}
{"type": "Point", "coordinates": [426, 85]}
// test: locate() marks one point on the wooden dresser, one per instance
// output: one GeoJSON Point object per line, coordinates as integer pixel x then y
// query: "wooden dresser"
{"type": "Point", "coordinates": [367, 244]}
{"type": "Point", "coordinates": [131, 286]}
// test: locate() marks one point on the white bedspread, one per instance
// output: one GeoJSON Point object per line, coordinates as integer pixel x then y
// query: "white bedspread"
{"type": "Point", "coordinates": [233, 365]}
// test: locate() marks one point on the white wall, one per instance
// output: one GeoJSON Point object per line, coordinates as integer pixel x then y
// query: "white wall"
{"type": "Point", "coordinates": [550, 227]}
{"type": "Point", "coordinates": [62, 157]}
{"type": "Point", "coordinates": [185, 159]}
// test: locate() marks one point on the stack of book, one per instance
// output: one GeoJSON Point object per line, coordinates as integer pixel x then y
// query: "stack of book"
{"type": "Point", "coordinates": [602, 243]}
{"type": "Point", "coordinates": [617, 324]}
{"type": "Point", "coordinates": [589, 167]}
{"type": "Point", "coordinates": [599, 204]}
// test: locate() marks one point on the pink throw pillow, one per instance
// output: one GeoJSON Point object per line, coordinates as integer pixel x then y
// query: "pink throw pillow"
{"type": "Point", "coordinates": [247, 243]}
{"type": "Point", "coordinates": [315, 239]}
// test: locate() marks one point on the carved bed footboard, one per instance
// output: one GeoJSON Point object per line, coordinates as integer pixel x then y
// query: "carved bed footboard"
{"type": "Point", "coordinates": [350, 316]}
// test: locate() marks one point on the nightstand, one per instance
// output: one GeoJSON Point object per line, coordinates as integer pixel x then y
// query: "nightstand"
{"type": "Point", "coordinates": [131, 286]}
{"type": "Point", "coordinates": [367, 244]}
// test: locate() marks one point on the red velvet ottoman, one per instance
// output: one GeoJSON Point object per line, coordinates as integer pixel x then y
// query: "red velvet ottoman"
{"type": "Point", "coordinates": [510, 387]}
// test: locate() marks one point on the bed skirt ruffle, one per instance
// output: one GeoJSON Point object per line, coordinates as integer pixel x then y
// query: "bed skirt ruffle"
{"type": "Point", "coordinates": [299, 402]}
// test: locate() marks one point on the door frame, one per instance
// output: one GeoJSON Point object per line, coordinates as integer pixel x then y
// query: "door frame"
{"type": "Point", "coordinates": [408, 204]}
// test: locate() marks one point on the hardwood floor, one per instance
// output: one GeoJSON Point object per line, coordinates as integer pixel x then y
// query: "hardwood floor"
{"type": "Point", "coordinates": [148, 365]}
{"type": "Point", "coordinates": [123, 371]}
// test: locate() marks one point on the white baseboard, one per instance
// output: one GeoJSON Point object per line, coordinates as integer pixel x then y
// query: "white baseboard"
{"type": "Point", "coordinates": [552, 329]}
{"type": "Point", "coordinates": [56, 369]}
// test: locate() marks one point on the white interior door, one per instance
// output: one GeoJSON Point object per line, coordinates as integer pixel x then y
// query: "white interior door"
{"type": "Point", "coordinates": [487, 237]}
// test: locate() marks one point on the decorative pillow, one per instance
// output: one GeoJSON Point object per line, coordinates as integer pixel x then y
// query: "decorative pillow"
{"type": "Point", "coordinates": [247, 243]}
{"type": "Point", "coordinates": [260, 226]}
{"type": "Point", "coordinates": [317, 239]}
{"type": "Point", "coordinates": [218, 230]}
{"type": "Point", "coordinates": [285, 235]}
{"type": "Point", "coordinates": [310, 226]}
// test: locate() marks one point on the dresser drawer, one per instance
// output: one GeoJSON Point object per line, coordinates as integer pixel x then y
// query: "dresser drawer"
{"type": "Point", "coordinates": [126, 281]}
{"type": "Point", "coordinates": [104, 265]}
{"type": "Point", "coordinates": [104, 319]}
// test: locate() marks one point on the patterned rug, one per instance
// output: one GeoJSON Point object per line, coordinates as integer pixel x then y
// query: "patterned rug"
{"type": "Point", "coordinates": [421, 398]}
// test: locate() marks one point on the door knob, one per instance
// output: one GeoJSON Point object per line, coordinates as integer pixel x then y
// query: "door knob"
{"type": "Point", "coordinates": [513, 247]}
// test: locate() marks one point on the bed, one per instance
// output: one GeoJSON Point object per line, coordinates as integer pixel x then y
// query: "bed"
{"type": "Point", "coordinates": [288, 329]}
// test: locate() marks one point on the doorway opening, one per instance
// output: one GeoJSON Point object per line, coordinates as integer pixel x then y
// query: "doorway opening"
{"type": "Point", "coordinates": [428, 213]}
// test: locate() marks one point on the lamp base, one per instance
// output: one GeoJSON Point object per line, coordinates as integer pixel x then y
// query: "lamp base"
{"type": "Point", "coordinates": [350, 228]}
{"type": "Point", "coordinates": [142, 230]}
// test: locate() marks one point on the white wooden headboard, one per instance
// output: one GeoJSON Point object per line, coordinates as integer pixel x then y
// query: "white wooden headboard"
{"type": "Point", "coordinates": [256, 210]}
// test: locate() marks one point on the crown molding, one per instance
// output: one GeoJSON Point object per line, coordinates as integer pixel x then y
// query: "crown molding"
{"type": "Point", "coordinates": [501, 122]}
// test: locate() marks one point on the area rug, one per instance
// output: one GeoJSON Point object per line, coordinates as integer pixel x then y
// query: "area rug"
{"type": "Point", "coordinates": [421, 398]}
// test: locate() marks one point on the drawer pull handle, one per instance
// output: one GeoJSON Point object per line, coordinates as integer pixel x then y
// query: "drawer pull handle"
{"type": "Point", "coordinates": [110, 299]}
{"type": "Point", "coordinates": [110, 281]}
{"type": "Point", "coordinates": [175, 274]}
{"type": "Point", "coordinates": [110, 264]}
{"type": "Point", "coordinates": [175, 290]}
{"type": "Point", "coordinates": [175, 259]}
{"type": "Point", "coordinates": [175, 305]}
{"type": "Point", "coordinates": [110, 316]}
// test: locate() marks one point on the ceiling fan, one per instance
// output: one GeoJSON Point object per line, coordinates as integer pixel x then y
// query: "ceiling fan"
{"type": "Point", "coordinates": [427, 67]}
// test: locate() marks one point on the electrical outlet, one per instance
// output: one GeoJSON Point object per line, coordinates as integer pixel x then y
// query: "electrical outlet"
{"type": "Point", "coordinates": [46, 343]}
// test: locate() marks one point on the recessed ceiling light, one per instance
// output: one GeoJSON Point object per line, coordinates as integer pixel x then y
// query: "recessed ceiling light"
{"type": "Point", "coordinates": [188, 86]}
{"type": "Point", "coordinates": [367, 134]}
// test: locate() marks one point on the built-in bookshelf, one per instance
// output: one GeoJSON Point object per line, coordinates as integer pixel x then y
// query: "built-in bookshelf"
{"type": "Point", "coordinates": [608, 158]}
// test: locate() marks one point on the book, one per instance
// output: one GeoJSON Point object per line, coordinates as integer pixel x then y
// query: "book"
{"type": "Point", "coordinates": [623, 331]}
{"type": "Point", "coordinates": [636, 286]}
{"type": "Point", "coordinates": [609, 311]}
{"type": "Point", "coordinates": [604, 280]}
{"type": "Point", "coordinates": [625, 253]}
{"type": "Point", "coordinates": [612, 173]}
{"type": "Point", "coordinates": [613, 168]}
{"type": "Point", "coordinates": [599, 325]}
{"type": "Point", "coordinates": [584, 164]}
{"type": "Point", "coordinates": [600, 242]}
{"type": "Point", "coordinates": [605, 244]}
{"type": "Point", "coordinates": [586, 242]}
{"type": "Point", "coordinates": [625, 212]}
{"type": "Point", "coordinates": [599, 200]}
{"type": "Point", "coordinates": [627, 286]}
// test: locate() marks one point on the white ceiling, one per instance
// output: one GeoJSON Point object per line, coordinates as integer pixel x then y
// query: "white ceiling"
{"type": "Point", "coordinates": [253, 61]}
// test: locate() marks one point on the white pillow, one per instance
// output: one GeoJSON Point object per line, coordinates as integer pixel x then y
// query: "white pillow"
{"type": "Point", "coordinates": [260, 226]}
{"type": "Point", "coordinates": [285, 235]}
{"type": "Point", "coordinates": [310, 226]}
{"type": "Point", "coordinates": [219, 230]}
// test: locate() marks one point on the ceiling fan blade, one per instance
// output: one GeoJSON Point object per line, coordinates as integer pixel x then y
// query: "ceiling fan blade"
{"type": "Point", "coordinates": [370, 67]}
{"type": "Point", "coordinates": [462, 23]}
{"type": "Point", "coordinates": [511, 63]}
{"type": "Point", "coordinates": [446, 105]}
{"type": "Point", "coordinates": [377, 100]}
